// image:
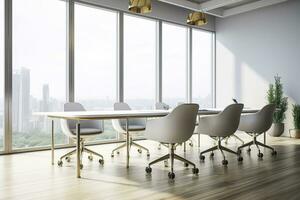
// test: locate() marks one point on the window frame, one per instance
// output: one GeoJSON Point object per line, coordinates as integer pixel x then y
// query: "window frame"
{"type": "Point", "coordinates": [70, 67]}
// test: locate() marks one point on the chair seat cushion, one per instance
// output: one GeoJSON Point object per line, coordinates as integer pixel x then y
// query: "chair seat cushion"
{"type": "Point", "coordinates": [133, 127]}
{"type": "Point", "coordinates": [87, 131]}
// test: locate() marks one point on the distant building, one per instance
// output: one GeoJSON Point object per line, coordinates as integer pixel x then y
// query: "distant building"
{"type": "Point", "coordinates": [21, 100]}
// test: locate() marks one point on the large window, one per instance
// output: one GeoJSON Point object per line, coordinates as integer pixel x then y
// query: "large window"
{"type": "Point", "coordinates": [39, 65]}
{"type": "Point", "coordinates": [202, 68]}
{"type": "Point", "coordinates": [96, 60]}
{"type": "Point", "coordinates": [174, 68]}
{"type": "Point", "coordinates": [139, 61]}
{"type": "Point", "coordinates": [1, 73]}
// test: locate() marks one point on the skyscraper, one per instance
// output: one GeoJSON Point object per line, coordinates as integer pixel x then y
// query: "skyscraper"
{"type": "Point", "coordinates": [21, 100]}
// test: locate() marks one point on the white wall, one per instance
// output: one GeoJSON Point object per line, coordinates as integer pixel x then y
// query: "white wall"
{"type": "Point", "coordinates": [252, 48]}
{"type": "Point", "coordinates": [159, 11]}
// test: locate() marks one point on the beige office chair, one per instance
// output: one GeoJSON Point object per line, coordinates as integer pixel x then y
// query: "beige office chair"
{"type": "Point", "coordinates": [257, 124]}
{"type": "Point", "coordinates": [177, 127]}
{"type": "Point", "coordinates": [135, 125]}
{"type": "Point", "coordinates": [88, 129]}
{"type": "Point", "coordinates": [221, 126]}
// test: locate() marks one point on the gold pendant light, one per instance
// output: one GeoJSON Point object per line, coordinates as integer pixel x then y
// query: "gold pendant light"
{"type": "Point", "coordinates": [140, 6]}
{"type": "Point", "coordinates": [197, 19]}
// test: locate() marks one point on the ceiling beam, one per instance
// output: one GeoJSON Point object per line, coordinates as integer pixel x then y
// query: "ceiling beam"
{"type": "Point", "coordinates": [183, 3]}
{"type": "Point", "coordinates": [213, 4]}
{"type": "Point", "coordinates": [250, 6]}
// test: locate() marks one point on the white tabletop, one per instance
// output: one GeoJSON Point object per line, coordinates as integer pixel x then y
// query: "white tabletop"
{"type": "Point", "coordinates": [117, 114]}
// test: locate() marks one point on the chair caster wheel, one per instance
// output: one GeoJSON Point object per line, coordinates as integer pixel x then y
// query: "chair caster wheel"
{"type": "Point", "coordinates": [191, 144]}
{"type": "Point", "coordinates": [239, 151]}
{"type": "Point", "coordinates": [195, 170]}
{"type": "Point", "coordinates": [60, 163]}
{"type": "Point", "coordinates": [90, 157]}
{"type": "Point", "coordinates": [186, 164]}
{"type": "Point", "coordinates": [171, 175]}
{"type": "Point", "coordinates": [202, 158]}
{"type": "Point", "coordinates": [81, 166]}
{"type": "Point", "coordinates": [249, 150]}
{"type": "Point", "coordinates": [212, 154]}
{"type": "Point", "coordinates": [274, 153]}
{"type": "Point", "coordinates": [112, 155]}
{"type": "Point", "coordinates": [240, 159]}
{"type": "Point", "coordinates": [166, 163]}
{"type": "Point", "coordinates": [101, 161]}
{"type": "Point", "coordinates": [139, 150]}
{"type": "Point", "coordinates": [260, 155]}
{"type": "Point", "coordinates": [148, 155]}
{"type": "Point", "coordinates": [68, 159]}
{"type": "Point", "coordinates": [118, 152]}
{"type": "Point", "coordinates": [148, 170]}
{"type": "Point", "coordinates": [225, 162]}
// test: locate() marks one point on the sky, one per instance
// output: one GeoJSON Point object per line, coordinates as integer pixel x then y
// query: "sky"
{"type": "Point", "coordinates": [39, 44]}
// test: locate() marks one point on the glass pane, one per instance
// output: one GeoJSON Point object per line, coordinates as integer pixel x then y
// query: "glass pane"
{"type": "Point", "coordinates": [39, 65]}
{"type": "Point", "coordinates": [139, 62]}
{"type": "Point", "coordinates": [96, 61]}
{"type": "Point", "coordinates": [1, 74]}
{"type": "Point", "coordinates": [174, 59]}
{"type": "Point", "coordinates": [202, 68]}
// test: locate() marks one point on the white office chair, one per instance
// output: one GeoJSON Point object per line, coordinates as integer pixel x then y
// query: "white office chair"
{"type": "Point", "coordinates": [162, 106]}
{"type": "Point", "coordinates": [221, 126]}
{"type": "Point", "coordinates": [134, 125]}
{"type": "Point", "coordinates": [177, 127]}
{"type": "Point", "coordinates": [88, 129]}
{"type": "Point", "coordinates": [257, 124]}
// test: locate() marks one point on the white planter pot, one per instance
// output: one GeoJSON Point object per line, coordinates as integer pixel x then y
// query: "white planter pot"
{"type": "Point", "coordinates": [276, 129]}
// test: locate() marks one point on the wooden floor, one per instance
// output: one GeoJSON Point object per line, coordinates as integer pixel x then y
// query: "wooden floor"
{"type": "Point", "coordinates": [30, 175]}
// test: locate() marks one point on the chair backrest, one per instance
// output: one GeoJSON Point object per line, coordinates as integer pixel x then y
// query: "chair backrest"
{"type": "Point", "coordinates": [161, 106]}
{"type": "Point", "coordinates": [68, 125]}
{"type": "Point", "coordinates": [259, 122]}
{"type": "Point", "coordinates": [225, 123]}
{"type": "Point", "coordinates": [180, 123]}
{"type": "Point", "coordinates": [119, 124]}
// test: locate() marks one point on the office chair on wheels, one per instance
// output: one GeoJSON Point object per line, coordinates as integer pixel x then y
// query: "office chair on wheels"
{"type": "Point", "coordinates": [177, 127]}
{"type": "Point", "coordinates": [135, 125]}
{"type": "Point", "coordinates": [220, 127]}
{"type": "Point", "coordinates": [88, 129]}
{"type": "Point", "coordinates": [255, 125]}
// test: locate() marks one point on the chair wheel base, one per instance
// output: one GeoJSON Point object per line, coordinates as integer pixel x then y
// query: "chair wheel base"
{"type": "Point", "coordinates": [68, 159]}
{"type": "Point", "coordinates": [171, 175]}
{"type": "Point", "coordinates": [260, 155]}
{"type": "Point", "coordinates": [240, 159]}
{"type": "Point", "coordinates": [166, 163]}
{"type": "Point", "coordinates": [202, 158]}
{"type": "Point", "coordinates": [60, 163]}
{"type": "Point", "coordinates": [148, 170]}
{"type": "Point", "coordinates": [195, 170]}
{"type": "Point", "coordinates": [225, 162]}
{"type": "Point", "coordinates": [101, 161]}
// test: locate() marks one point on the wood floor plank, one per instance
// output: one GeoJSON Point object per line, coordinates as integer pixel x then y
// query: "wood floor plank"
{"type": "Point", "coordinates": [29, 176]}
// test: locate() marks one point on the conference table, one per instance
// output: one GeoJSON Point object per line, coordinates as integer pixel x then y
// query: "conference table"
{"type": "Point", "coordinates": [108, 115]}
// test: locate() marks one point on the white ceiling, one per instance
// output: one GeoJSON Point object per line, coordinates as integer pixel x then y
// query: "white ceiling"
{"type": "Point", "coordinates": [223, 8]}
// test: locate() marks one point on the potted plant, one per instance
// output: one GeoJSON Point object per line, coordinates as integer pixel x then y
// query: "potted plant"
{"type": "Point", "coordinates": [275, 96]}
{"type": "Point", "coordinates": [296, 115]}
